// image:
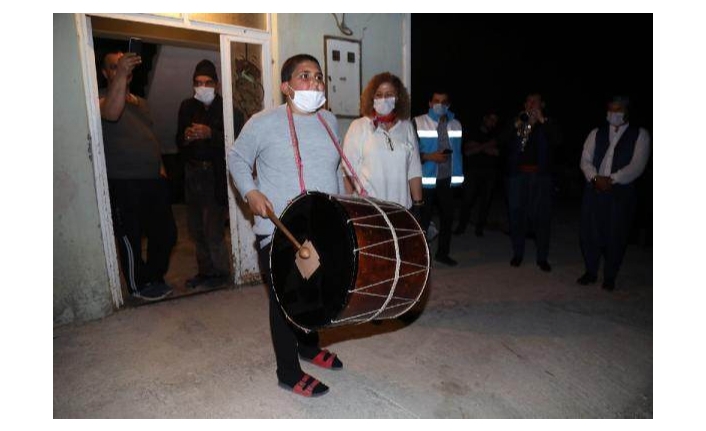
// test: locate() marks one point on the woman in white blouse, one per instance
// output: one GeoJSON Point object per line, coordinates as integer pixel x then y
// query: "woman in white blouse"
{"type": "Point", "coordinates": [382, 145]}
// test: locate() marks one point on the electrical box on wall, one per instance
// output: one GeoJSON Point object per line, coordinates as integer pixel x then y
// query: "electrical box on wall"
{"type": "Point", "coordinates": [343, 76]}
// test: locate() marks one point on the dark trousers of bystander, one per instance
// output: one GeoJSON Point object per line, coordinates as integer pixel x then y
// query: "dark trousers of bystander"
{"type": "Point", "coordinates": [440, 197]}
{"type": "Point", "coordinates": [143, 207]}
{"type": "Point", "coordinates": [206, 219]}
{"type": "Point", "coordinates": [530, 210]}
{"type": "Point", "coordinates": [606, 219]}
{"type": "Point", "coordinates": [478, 187]}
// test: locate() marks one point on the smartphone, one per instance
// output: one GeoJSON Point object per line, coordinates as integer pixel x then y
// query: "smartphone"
{"type": "Point", "coordinates": [447, 151]}
{"type": "Point", "coordinates": [135, 45]}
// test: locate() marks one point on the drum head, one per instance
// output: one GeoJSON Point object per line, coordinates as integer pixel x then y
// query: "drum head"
{"type": "Point", "coordinates": [315, 302]}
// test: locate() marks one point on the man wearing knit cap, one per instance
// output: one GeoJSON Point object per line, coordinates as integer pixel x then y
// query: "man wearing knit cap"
{"type": "Point", "coordinates": [201, 143]}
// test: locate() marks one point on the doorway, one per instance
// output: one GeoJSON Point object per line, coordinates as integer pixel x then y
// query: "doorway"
{"type": "Point", "coordinates": [165, 80]}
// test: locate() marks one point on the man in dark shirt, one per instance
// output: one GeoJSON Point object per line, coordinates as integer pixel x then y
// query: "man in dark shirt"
{"type": "Point", "coordinates": [480, 171]}
{"type": "Point", "coordinates": [201, 142]}
{"type": "Point", "coordinates": [529, 184]}
{"type": "Point", "coordinates": [139, 193]}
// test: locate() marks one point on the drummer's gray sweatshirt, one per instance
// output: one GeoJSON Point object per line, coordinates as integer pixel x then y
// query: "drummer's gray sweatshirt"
{"type": "Point", "coordinates": [265, 142]}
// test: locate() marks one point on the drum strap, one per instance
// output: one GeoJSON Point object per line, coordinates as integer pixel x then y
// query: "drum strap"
{"type": "Point", "coordinates": [298, 158]}
{"type": "Point", "coordinates": [295, 145]}
{"type": "Point", "coordinates": [352, 173]}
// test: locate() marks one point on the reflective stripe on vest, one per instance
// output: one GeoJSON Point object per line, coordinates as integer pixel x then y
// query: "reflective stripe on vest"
{"type": "Point", "coordinates": [435, 134]}
{"type": "Point", "coordinates": [431, 181]}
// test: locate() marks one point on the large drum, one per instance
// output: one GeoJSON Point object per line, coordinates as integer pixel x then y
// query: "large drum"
{"type": "Point", "coordinates": [373, 254]}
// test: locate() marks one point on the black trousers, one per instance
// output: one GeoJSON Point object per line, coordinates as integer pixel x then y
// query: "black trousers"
{"type": "Point", "coordinates": [288, 342]}
{"type": "Point", "coordinates": [530, 210]}
{"type": "Point", "coordinates": [478, 187]}
{"type": "Point", "coordinates": [606, 219]}
{"type": "Point", "coordinates": [143, 207]}
{"type": "Point", "coordinates": [440, 197]}
{"type": "Point", "coordinates": [206, 219]}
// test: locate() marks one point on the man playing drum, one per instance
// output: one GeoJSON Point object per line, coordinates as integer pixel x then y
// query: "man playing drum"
{"type": "Point", "coordinates": [292, 146]}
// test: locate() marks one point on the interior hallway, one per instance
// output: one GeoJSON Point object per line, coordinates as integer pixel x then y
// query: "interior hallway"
{"type": "Point", "coordinates": [182, 264]}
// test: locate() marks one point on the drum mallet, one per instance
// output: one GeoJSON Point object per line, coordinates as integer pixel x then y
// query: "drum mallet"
{"type": "Point", "coordinates": [303, 251]}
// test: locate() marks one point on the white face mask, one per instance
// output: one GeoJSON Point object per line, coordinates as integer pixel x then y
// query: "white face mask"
{"type": "Point", "coordinates": [440, 109]}
{"type": "Point", "coordinates": [615, 118]}
{"type": "Point", "coordinates": [308, 100]}
{"type": "Point", "coordinates": [205, 94]}
{"type": "Point", "coordinates": [384, 105]}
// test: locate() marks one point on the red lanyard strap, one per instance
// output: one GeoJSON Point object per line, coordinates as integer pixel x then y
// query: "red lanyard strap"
{"type": "Point", "coordinates": [295, 145]}
{"type": "Point", "coordinates": [363, 192]}
{"type": "Point", "coordinates": [298, 158]}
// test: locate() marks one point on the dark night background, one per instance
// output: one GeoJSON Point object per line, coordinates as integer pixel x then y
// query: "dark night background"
{"type": "Point", "coordinates": [577, 61]}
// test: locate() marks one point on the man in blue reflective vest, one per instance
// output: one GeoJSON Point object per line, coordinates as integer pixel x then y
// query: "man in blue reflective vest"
{"type": "Point", "coordinates": [440, 138]}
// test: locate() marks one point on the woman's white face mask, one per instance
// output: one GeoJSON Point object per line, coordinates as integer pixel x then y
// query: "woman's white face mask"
{"type": "Point", "coordinates": [308, 100]}
{"type": "Point", "coordinates": [384, 105]}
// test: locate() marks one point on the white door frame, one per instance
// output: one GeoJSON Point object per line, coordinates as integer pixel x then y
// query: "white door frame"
{"type": "Point", "coordinates": [90, 86]}
{"type": "Point", "coordinates": [227, 34]}
{"type": "Point", "coordinates": [245, 261]}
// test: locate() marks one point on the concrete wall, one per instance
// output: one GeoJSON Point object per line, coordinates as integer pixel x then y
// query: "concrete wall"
{"type": "Point", "coordinates": [381, 37]}
{"type": "Point", "coordinates": [81, 289]}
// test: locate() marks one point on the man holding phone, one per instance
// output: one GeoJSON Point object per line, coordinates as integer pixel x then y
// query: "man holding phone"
{"type": "Point", "coordinates": [139, 192]}
{"type": "Point", "coordinates": [440, 136]}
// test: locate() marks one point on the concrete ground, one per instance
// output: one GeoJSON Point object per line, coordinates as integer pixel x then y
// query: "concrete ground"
{"type": "Point", "coordinates": [491, 341]}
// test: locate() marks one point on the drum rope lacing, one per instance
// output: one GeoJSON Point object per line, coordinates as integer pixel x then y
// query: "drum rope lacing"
{"type": "Point", "coordinates": [360, 289]}
{"type": "Point", "coordinates": [374, 313]}
{"type": "Point", "coordinates": [360, 249]}
{"type": "Point", "coordinates": [395, 279]}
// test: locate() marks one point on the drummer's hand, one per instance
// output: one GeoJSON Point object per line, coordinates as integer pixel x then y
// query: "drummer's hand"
{"type": "Point", "coordinates": [259, 203]}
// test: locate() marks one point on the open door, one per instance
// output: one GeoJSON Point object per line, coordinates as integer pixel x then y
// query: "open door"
{"type": "Point", "coordinates": [246, 82]}
{"type": "Point", "coordinates": [247, 76]}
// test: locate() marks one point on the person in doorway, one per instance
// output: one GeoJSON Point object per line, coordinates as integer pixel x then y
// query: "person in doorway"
{"type": "Point", "coordinates": [139, 191]}
{"type": "Point", "coordinates": [480, 165]}
{"type": "Point", "coordinates": [382, 145]}
{"type": "Point", "coordinates": [440, 136]}
{"type": "Point", "coordinates": [200, 140]}
{"type": "Point", "coordinates": [614, 156]}
{"type": "Point", "coordinates": [294, 148]}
